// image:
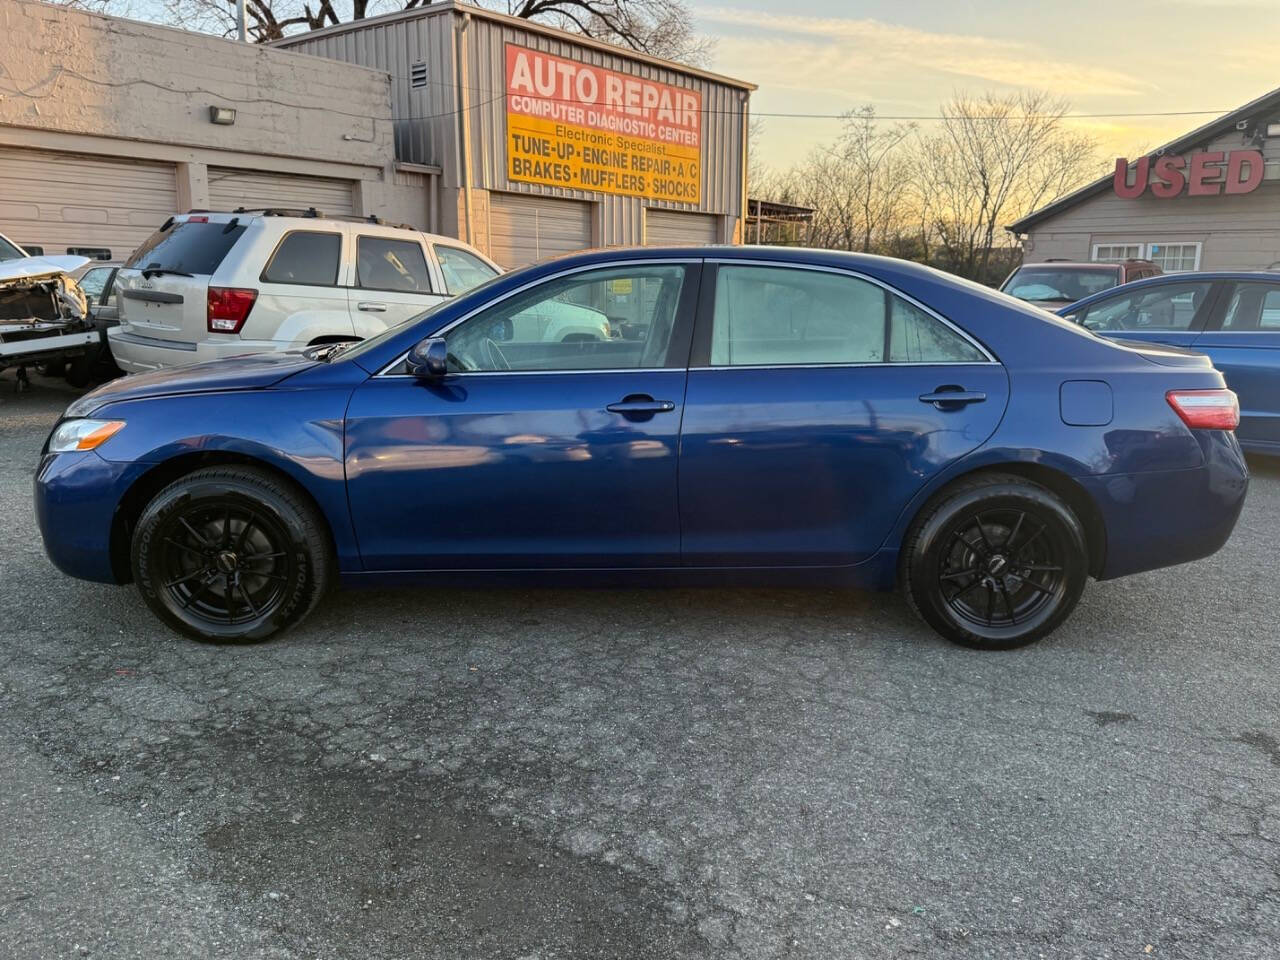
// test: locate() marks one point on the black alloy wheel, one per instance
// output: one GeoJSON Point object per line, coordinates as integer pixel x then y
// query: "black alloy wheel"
{"type": "Point", "coordinates": [230, 554]}
{"type": "Point", "coordinates": [995, 562]}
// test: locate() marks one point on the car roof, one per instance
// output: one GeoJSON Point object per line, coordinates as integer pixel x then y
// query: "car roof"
{"type": "Point", "coordinates": [1077, 264]}
{"type": "Point", "coordinates": [1270, 276]}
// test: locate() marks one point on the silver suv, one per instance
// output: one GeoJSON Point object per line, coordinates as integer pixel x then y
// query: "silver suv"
{"type": "Point", "coordinates": [210, 285]}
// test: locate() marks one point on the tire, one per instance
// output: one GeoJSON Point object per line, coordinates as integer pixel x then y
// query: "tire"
{"type": "Point", "coordinates": [79, 369]}
{"type": "Point", "coordinates": [994, 562]}
{"type": "Point", "coordinates": [231, 555]}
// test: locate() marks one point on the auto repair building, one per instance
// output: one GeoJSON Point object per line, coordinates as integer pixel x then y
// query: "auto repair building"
{"type": "Point", "coordinates": [542, 142]}
{"type": "Point", "coordinates": [1209, 200]}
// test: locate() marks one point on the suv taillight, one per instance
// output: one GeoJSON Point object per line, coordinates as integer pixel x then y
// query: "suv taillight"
{"type": "Point", "coordinates": [229, 308]}
{"type": "Point", "coordinates": [1206, 409]}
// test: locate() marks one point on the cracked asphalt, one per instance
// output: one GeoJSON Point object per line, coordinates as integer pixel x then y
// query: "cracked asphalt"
{"type": "Point", "coordinates": [634, 774]}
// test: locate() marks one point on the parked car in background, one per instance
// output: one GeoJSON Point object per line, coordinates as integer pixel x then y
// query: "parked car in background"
{"type": "Point", "coordinates": [212, 285]}
{"type": "Point", "coordinates": [776, 416]}
{"type": "Point", "coordinates": [1234, 318]}
{"type": "Point", "coordinates": [1056, 283]}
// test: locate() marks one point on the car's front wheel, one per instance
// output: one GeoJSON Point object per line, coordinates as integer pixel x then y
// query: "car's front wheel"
{"type": "Point", "coordinates": [231, 554]}
{"type": "Point", "coordinates": [995, 562]}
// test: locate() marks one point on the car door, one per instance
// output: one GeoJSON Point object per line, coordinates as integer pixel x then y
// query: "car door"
{"type": "Point", "coordinates": [1172, 312]}
{"type": "Point", "coordinates": [300, 294]}
{"type": "Point", "coordinates": [532, 453]}
{"type": "Point", "coordinates": [392, 280]}
{"type": "Point", "coordinates": [819, 402]}
{"type": "Point", "coordinates": [1243, 339]}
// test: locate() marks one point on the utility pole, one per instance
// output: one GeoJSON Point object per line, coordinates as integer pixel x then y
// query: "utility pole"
{"type": "Point", "coordinates": [241, 30]}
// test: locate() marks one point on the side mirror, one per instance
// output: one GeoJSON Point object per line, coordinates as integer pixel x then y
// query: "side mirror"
{"type": "Point", "coordinates": [428, 359]}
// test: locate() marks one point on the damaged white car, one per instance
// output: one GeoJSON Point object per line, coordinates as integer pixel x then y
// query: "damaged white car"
{"type": "Point", "coordinates": [44, 317]}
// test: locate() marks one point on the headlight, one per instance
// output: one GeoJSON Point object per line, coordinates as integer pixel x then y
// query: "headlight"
{"type": "Point", "coordinates": [83, 434]}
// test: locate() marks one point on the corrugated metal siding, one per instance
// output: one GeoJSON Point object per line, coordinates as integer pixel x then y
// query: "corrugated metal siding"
{"type": "Point", "coordinates": [425, 119]}
{"type": "Point", "coordinates": [230, 188]}
{"type": "Point", "coordinates": [61, 200]}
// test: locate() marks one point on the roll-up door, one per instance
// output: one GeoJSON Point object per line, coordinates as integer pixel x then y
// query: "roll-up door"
{"type": "Point", "coordinates": [678, 226]}
{"type": "Point", "coordinates": [257, 189]}
{"type": "Point", "coordinates": [64, 202]}
{"type": "Point", "coordinates": [525, 228]}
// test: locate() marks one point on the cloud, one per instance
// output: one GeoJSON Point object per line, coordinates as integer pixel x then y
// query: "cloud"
{"type": "Point", "coordinates": [842, 54]}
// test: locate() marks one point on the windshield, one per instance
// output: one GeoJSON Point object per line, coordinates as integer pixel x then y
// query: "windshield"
{"type": "Point", "coordinates": [1037, 284]}
{"type": "Point", "coordinates": [191, 246]}
{"type": "Point", "coordinates": [10, 251]}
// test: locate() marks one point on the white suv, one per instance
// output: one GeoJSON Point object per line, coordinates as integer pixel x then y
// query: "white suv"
{"type": "Point", "coordinates": [210, 285]}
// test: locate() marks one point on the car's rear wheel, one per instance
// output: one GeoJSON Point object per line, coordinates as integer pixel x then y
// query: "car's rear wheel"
{"type": "Point", "coordinates": [995, 562]}
{"type": "Point", "coordinates": [231, 554]}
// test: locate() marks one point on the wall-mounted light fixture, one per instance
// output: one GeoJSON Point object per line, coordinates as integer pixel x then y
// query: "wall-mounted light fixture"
{"type": "Point", "coordinates": [1273, 129]}
{"type": "Point", "coordinates": [225, 116]}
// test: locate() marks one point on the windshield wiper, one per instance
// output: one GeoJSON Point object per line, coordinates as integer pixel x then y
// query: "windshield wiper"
{"type": "Point", "coordinates": [150, 272]}
{"type": "Point", "coordinates": [328, 351]}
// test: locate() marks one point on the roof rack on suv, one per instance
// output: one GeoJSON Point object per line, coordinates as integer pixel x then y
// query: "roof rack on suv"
{"type": "Point", "coordinates": [314, 214]}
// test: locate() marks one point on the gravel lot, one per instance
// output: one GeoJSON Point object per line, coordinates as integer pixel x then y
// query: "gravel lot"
{"type": "Point", "coordinates": [710, 773]}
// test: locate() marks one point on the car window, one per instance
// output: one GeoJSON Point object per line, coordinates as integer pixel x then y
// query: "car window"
{"type": "Point", "coordinates": [306, 257]}
{"type": "Point", "coordinates": [780, 315]}
{"type": "Point", "coordinates": [188, 246]}
{"type": "Point", "coordinates": [93, 281]}
{"type": "Point", "coordinates": [1253, 306]}
{"type": "Point", "coordinates": [462, 270]}
{"type": "Point", "coordinates": [10, 252]}
{"type": "Point", "coordinates": [384, 263]}
{"type": "Point", "coordinates": [1170, 306]}
{"type": "Point", "coordinates": [1036, 284]}
{"type": "Point", "coordinates": [608, 319]}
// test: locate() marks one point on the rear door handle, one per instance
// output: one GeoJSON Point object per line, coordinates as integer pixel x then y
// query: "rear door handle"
{"type": "Point", "coordinates": [370, 307]}
{"type": "Point", "coordinates": [944, 399]}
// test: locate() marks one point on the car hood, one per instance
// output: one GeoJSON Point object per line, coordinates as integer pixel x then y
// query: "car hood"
{"type": "Point", "coordinates": [235, 373]}
{"type": "Point", "coordinates": [27, 270]}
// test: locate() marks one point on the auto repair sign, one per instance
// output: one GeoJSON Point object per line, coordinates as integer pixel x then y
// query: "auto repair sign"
{"type": "Point", "coordinates": [582, 127]}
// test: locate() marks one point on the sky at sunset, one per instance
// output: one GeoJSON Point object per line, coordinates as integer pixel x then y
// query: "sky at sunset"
{"type": "Point", "coordinates": [905, 57]}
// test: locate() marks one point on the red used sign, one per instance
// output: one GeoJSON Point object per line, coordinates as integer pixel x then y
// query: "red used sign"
{"type": "Point", "coordinates": [1201, 174]}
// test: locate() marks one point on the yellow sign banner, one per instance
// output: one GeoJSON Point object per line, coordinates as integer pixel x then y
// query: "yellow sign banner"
{"type": "Point", "coordinates": [586, 128]}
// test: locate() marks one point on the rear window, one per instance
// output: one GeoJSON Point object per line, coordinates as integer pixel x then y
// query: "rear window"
{"type": "Point", "coordinates": [9, 252]}
{"type": "Point", "coordinates": [1047, 283]}
{"type": "Point", "coordinates": [187, 247]}
{"type": "Point", "coordinates": [461, 270]}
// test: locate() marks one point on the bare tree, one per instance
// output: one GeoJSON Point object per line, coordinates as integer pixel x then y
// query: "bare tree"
{"type": "Point", "coordinates": [857, 186]}
{"type": "Point", "coordinates": [662, 28]}
{"type": "Point", "coordinates": [993, 159]}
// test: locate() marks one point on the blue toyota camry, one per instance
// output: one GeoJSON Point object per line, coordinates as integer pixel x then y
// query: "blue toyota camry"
{"type": "Point", "coordinates": [771, 415]}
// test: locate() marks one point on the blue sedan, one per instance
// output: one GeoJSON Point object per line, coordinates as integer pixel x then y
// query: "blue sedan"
{"type": "Point", "coordinates": [1234, 318]}
{"type": "Point", "coordinates": [747, 414]}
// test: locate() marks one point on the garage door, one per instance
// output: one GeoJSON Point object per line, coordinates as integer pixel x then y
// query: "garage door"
{"type": "Point", "coordinates": [523, 229]}
{"type": "Point", "coordinates": [677, 226]}
{"type": "Point", "coordinates": [256, 189]}
{"type": "Point", "coordinates": [67, 201]}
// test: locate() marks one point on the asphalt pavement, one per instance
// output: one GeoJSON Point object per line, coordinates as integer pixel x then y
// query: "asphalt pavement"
{"type": "Point", "coordinates": [641, 773]}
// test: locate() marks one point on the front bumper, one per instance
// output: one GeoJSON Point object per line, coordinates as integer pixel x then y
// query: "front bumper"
{"type": "Point", "coordinates": [1164, 517]}
{"type": "Point", "coordinates": [135, 353]}
{"type": "Point", "coordinates": [77, 496]}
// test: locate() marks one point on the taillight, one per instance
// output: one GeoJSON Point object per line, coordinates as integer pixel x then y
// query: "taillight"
{"type": "Point", "coordinates": [229, 308]}
{"type": "Point", "coordinates": [1206, 409]}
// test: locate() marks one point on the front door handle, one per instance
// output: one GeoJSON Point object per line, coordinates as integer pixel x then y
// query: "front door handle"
{"type": "Point", "coordinates": [639, 403]}
{"type": "Point", "coordinates": [952, 399]}
{"type": "Point", "coordinates": [371, 307]}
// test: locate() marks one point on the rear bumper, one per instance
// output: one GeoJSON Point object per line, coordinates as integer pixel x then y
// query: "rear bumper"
{"type": "Point", "coordinates": [1165, 517]}
{"type": "Point", "coordinates": [134, 353]}
{"type": "Point", "coordinates": [76, 498]}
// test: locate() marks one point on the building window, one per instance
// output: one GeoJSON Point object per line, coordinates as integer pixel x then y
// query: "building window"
{"type": "Point", "coordinates": [1116, 252]}
{"type": "Point", "coordinates": [1174, 257]}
